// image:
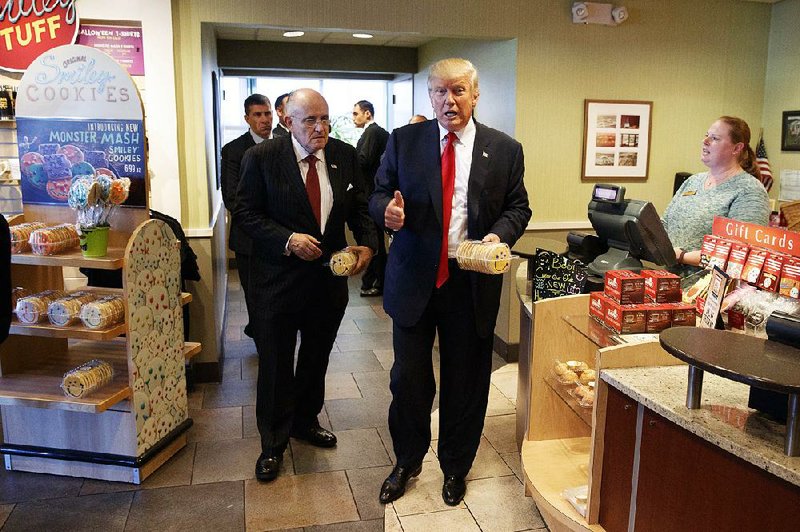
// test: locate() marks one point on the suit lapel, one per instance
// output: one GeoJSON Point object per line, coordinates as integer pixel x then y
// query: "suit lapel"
{"type": "Point", "coordinates": [479, 171]}
{"type": "Point", "coordinates": [433, 159]}
{"type": "Point", "coordinates": [291, 174]}
{"type": "Point", "coordinates": [332, 164]}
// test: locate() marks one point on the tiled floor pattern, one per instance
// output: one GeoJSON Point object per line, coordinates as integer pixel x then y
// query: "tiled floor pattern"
{"type": "Point", "coordinates": [210, 484]}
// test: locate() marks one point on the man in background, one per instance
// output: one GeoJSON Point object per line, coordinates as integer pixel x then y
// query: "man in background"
{"type": "Point", "coordinates": [370, 149]}
{"type": "Point", "coordinates": [295, 195]}
{"type": "Point", "coordinates": [416, 119]}
{"type": "Point", "coordinates": [258, 115]}
{"type": "Point", "coordinates": [281, 130]}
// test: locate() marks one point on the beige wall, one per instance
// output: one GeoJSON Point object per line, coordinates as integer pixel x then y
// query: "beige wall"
{"type": "Point", "coordinates": [782, 87]}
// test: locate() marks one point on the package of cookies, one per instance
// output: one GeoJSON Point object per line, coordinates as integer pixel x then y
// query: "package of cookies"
{"type": "Point", "coordinates": [33, 309]}
{"type": "Point", "coordinates": [52, 240]}
{"type": "Point", "coordinates": [67, 310]}
{"type": "Point", "coordinates": [103, 313]}
{"type": "Point", "coordinates": [343, 263]}
{"type": "Point", "coordinates": [84, 379]}
{"type": "Point", "coordinates": [484, 257]}
{"type": "Point", "coordinates": [18, 293]}
{"type": "Point", "coordinates": [21, 233]}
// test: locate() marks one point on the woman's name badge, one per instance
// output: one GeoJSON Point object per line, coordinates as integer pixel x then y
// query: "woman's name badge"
{"type": "Point", "coordinates": [689, 193]}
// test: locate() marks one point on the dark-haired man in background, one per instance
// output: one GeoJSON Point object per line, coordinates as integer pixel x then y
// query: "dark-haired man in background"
{"type": "Point", "coordinates": [281, 130]}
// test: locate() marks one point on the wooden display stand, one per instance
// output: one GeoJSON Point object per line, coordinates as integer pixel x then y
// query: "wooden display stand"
{"type": "Point", "coordinates": [125, 430]}
{"type": "Point", "coordinates": [557, 434]}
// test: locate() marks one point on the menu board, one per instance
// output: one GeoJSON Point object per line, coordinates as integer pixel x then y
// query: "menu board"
{"type": "Point", "coordinates": [556, 276]}
{"type": "Point", "coordinates": [123, 43]}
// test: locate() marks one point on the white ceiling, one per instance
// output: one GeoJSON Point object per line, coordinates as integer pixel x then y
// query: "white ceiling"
{"type": "Point", "coordinates": [319, 36]}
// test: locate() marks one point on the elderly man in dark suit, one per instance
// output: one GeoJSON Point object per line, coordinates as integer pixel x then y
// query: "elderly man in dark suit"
{"type": "Point", "coordinates": [258, 115]}
{"type": "Point", "coordinates": [295, 195]}
{"type": "Point", "coordinates": [442, 182]}
{"type": "Point", "coordinates": [370, 148]}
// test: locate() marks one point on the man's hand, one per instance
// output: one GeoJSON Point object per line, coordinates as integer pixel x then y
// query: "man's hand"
{"type": "Point", "coordinates": [363, 256]}
{"type": "Point", "coordinates": [491, 237]}
{"type": "Point", "coordinates": [304, 246]}
{"type": "Point", "coordinates": [395, 213]}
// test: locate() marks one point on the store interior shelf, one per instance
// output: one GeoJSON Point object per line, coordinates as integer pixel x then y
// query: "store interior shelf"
{"type": "Point", "coordinates": [190, 349]}
{"type": "Point", "coordinates": [563, 392]}
{"type": "Point", "coordinates": [77, 331]}
{"type": "Point", "coordinates": [592, 330]}
{"type": "Point", "coordinates": [551, 466]}
{"type": "Point", "coordinates": [113, 261]}
{"type": "Point", "coordinates": [40, 386]}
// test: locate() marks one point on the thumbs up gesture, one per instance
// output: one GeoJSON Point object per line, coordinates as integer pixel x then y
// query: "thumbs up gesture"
{"type": "Point", "coordinates": [395, 214]}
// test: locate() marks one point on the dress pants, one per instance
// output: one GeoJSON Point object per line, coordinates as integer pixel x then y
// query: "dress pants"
{"type": "Point", "coordinates": [376, 270]}
{"type": "Point", "coordinates": [285, 395]}
{"type": "Point", "coordinates": [243, 266]}
{"type": "Point", "coordinates": [464, 380]}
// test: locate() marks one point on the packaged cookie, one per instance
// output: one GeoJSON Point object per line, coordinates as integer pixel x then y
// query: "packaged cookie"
{"type": "Point", "coordinates": [484, 257]}
{"type": "Point", "coordinates": [17, 294]}
{"type": "Point", "coordinates": [21, 233]}
{"type": "Point", "coordinates": [67, 310]}
{"type": "Point", "coordinates": [103, 313]}
{"type": "Point", "coordinates": [343, 263]}
{"type": "Point", "coordinates": [84, 379]}
{"type": "Point", "coordinates": [52, 240]}
{"type": "Point", "coordinates": [33, 309]}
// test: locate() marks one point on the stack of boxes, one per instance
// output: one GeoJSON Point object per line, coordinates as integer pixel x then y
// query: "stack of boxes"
{"type": "Point", "coordinates": [646, 302]}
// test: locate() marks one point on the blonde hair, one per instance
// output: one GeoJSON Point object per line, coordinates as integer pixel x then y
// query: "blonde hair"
{"type": "Point", "coordinates": [454, 67]}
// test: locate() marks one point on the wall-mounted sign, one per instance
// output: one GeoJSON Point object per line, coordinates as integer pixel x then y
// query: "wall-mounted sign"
{"type": "Point", "coordinates": [123, 43]}
{"type": "Point", "coordinates": [78, 113]}
{"type": "Point", "coordinates": [29, 28]}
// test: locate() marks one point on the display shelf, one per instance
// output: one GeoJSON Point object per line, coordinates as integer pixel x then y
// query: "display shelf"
{"type": "Point", "coordinates": [40, 386]}
{"type": "Point", "coordinates": [113, 261]}
{"type": "Point", "coordinates": [563, 392]}
{"type": "Point", "coordinates": [551, 466]}
{"type": "Point", "coordinates": [592, 330]}
{"type": "Point", "coordinates": [73, 331]}
{"type": "Point", "coordinates": [191, 349]}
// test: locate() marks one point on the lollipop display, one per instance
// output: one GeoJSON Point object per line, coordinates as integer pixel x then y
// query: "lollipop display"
{"type": "Point", "coordinates": [95, 198]}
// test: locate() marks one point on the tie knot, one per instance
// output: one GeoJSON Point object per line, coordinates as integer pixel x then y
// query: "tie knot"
{"type": "Point", "coordinates": [450, 137]}
{"type": "Point", "coordinates": [311, 159]}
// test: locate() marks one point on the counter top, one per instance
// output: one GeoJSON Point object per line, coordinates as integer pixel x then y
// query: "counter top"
{"type": "Point", "coordinates": [723, 420]}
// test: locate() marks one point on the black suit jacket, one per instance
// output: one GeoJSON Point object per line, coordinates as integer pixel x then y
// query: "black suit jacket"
{"type": "Point", "coordinates": [370, 148]}
{"type": "Point", "coordinates": [232, 154]}
{"type": "Point", "coordinates": [496, 203]}
{"type": "Point", "coordinates": [271, 204]}
{"type": "Point", "coordinates": [279, 131]}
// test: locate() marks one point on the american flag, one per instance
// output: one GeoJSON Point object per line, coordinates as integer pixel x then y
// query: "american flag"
{"type": "Point", "coordinates": [763, 164]}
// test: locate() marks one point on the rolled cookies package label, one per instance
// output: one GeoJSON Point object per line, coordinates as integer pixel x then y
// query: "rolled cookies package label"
{"type": "Point", "coordinates": [624, 287]}
{"type": "Point", "coordinates": [661, 286]}
{"type": "Point", "coordinates": [737, 260]}
{"type": "Point", "coordinates": [659, 317]}
{"type": "Point", "coordinates": [597, 306]}
{"type": "Point", "coordinates": [753, 265]}
{"type": "Point", "coordinates": [790, 278]}
{"type": "Point", "coordinates": [771, 272]}
{"type": "Point", "coordinates": [722, 250]}
{"type": "Point", "coordinates": [707, 249]}
{"type": "Point", "coordinates": [626, 319]}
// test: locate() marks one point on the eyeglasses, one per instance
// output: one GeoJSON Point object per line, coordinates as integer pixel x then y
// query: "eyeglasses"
{"type": "Point", "coordinates": [311, 121]}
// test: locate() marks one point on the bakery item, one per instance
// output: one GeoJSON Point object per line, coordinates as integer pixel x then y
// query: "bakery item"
{"type": "Point", "coordinates": [560, 368]}
{"type": "Point", "coordinates": [343, 262]}
{"type": "Point", "coordinates": [33, 309]}
{"type": "Point", "coordinates": [588, 376]}
{"type": "Point", "coordinates": [57, 166]}
{"type": "Point", "coordinates": [21, 233]}
{"type": "Point", "coordinates": [80, 381]}
{"type": "Point", "coordinates": [103, 313]}
{"type": "Point", "coordinates": [67, 310]}
{"type": "Point", "coordinates": [484, 257]}
{"type": "Point", "coordinates": [52, 240]}
{"type": "Point", "coordinates": [17, 294]}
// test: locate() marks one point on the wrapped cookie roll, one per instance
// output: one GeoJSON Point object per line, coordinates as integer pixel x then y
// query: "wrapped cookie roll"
{"type": "Point", "coordinates": [56, 239]}
{"type": "Point", "coordinates": [17, 294]}
{"type": "Point", "coordinates": [20, 234]}
{"type": "Point", "coordinates": [103, 313]}
{"type": "Point", "coordinates": [343, 262]}
{"type": "Point", "coordinates": [33, 309]}
{"type": "Point", "coordinates": [67, 310]}
{"type": "Point", "coordinates": [484, 257]}
{"type": "Point", "coordinates": [80, 381]}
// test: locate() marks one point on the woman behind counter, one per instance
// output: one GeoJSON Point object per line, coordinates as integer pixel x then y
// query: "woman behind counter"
{"type": "Point", "coordinates": [730, 188]}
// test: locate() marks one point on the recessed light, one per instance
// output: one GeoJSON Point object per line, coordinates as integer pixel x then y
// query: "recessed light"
{"type": "Point", "coordinates": [293, 33]}
{"type": "Point", "coordinates": [362, 35]}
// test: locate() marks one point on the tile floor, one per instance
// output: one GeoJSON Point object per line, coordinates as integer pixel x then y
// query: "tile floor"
{"type": "Point", "coordinates": [210, 484]}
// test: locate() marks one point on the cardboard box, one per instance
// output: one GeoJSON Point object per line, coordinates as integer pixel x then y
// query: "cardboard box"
{"type": "Point", "coordinates": [722, 250]}
{"type": "Point", "coordinates": [790, 278]}
{"type": "Point", "coordinates": [662, 286]}
{"type": "Point", "coordinates": [753, 265]}
{"type": "Point", "coordinates": [771, 272]}
{"type": "Point", "coordinates": [597, 306]}
{"type": "Point", "coordinates": [707, 249]}
{"type": "Point", "coordinates": [737, 260]}
{"type": "Point", "coordinates": [624, 287]}
{"type": "Point", "coordinates": [683, 314]}
{"type": "Point", "coordinates": [659, 317]}
{"type": "Point", "coordinates": [626, 319]}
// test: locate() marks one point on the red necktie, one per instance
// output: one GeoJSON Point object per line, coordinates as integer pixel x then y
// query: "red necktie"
{"type": "Point", "coordinates": [312, 188]}
{"type": "Point", "coordinates": [448, 185]}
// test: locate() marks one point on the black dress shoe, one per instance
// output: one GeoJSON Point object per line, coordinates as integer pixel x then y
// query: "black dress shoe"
{"type": "Point", "coordinates": [267, 467]}
{"type": "Point", "coordinates": [395, 484]}
{"type": "Point", "coordinates": [315, 435]}
{"type": "Point", "coordinates": [371, 292]}
{"type": "Point", "coordinates": [453, 490]}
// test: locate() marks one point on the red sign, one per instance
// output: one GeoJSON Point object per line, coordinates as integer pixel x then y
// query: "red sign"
{"type": "Point", "coordinates": [758, 235]}
{"type": "Point", "coordinates": [28, 28]}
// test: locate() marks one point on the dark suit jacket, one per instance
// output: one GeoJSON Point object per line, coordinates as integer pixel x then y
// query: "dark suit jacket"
{"type": "Point", "coordinates": [370, 147]}
{"type": "Point", "coordinates": [232, 154]}
{"type": "Point", "coordinates": [279, 131]}
{"type": "Point", "coordinates": [271, 204]}
{"type": "Point", "coordinates": [496, 203]}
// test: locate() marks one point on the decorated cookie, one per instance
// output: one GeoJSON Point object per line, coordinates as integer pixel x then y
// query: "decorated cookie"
{"type": "Point", "coordinates": [37, 176]}
{"type": "Point", "coordinates": [82, 169]}
{"type": "Point", "coordinates": [73, 154]}
{"type": "Point", "coordinates": [142, 320]}
{"type": "Point", "coordinates": [158, 299]}
{"type": "Point", "coordinates": [141, 407]}
{"type": "Point", "coordinates": [29, 159]}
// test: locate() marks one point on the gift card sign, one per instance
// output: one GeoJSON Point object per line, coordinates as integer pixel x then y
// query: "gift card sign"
{"type": "Point", "coordinates": [556, 276]}
{"type": "Point", "coordinates": [78, 114]}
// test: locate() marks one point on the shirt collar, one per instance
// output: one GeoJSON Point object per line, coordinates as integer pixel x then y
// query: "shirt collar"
{"type": "Point", "coordinates": [300, 152]}
{"type": "Point", "coordinates": [258, 139]}
{"type": "Point", "coordinates": [464, 136]}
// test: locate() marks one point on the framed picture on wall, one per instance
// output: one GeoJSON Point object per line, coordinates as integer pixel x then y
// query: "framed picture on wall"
{"type": "Point", "coordinates": [790, 131]}
{"type": "Point", "coordinates": [616, 140]}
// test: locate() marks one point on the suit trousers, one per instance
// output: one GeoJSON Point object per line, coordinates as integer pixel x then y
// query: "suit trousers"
{"type": "Point", "coordinates": [374, 274]}
{"type": "Point", "coordinates": [243, 266]}
{"type": "Point", "coordinates": [466, 361]}
{"type": "Point", "coordinates": [287, 396]}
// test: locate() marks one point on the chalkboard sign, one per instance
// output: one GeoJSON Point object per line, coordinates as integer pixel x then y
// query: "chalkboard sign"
{"type": "Point", "coordinates": [556, 276]}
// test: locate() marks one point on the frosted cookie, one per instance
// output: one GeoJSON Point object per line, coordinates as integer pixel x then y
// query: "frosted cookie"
{"type": "Point", "coordinates": [67, 310]}
{"type": "Point", "coordinates": [86, 378]}
{"type": "Point", "coordinates": [103, 313]}
{"type": "Point", "coordinates": [33, 309]}
{"type": "Point", "coordinates": [21, 233]}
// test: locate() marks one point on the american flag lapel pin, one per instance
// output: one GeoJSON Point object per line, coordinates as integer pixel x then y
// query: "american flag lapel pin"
{"type": "Point", "coordinates": [334, 167]}
{"type": "Point", "coordinates": [486, 155]}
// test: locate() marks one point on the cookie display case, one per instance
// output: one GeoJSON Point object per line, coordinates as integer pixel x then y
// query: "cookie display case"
{"type": "Point", "coordinates": [124, 430]}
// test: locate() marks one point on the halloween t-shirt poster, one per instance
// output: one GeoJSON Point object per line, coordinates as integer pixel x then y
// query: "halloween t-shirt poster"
{"type": "Point", "coordinates": [54, 152]}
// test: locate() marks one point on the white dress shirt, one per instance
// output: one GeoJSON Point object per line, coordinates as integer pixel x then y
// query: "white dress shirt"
{"type": "Point", "coordinates": [463, 152]}
{"type": "Point", "coordinates": [326, 192]}
{"type": "Point", "coordinates": [258, 139]}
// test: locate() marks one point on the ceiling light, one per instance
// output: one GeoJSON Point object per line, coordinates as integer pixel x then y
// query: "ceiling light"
{"type": "Point", "coordinates": [293, 33]}
{"type": "Point", "coordinates": [362, 35]}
